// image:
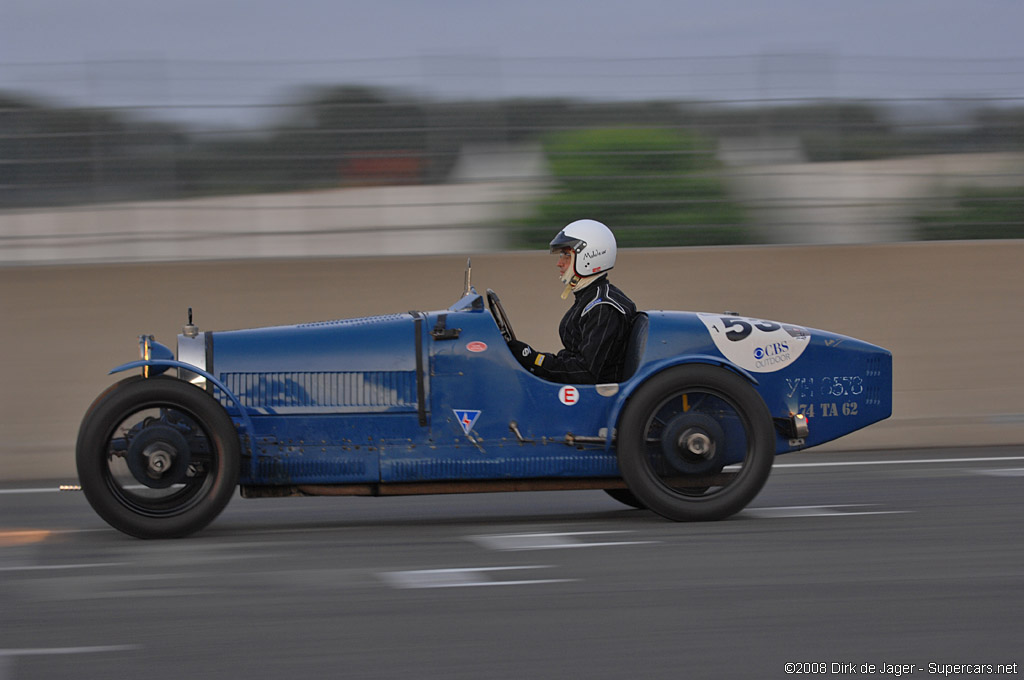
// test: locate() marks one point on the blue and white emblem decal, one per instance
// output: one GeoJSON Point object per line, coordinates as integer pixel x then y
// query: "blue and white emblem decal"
{"type": "Point", "coordinates": [466, 418]}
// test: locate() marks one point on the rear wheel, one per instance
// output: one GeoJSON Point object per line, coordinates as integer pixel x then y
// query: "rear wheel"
{"type": "Point", "coordinates": [696, 442]}
{"type": "Point", "coordinates": [626, 497]}
{"type": "Point", "coordinates": [157, 457]}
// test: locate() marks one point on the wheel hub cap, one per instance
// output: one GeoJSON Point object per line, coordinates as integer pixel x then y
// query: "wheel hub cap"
{"type": "Point", "coordinates": [690, 443]}
{"type": "Point", "coordinates": [697, 443]}
{"type": "Point", "coordinates": [159, 456]}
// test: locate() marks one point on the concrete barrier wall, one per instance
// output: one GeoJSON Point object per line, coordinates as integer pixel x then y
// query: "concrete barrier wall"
{"type": "Point", "coordinates": [950, 312]}
{"type": "Point", "coordinates": [404, 220]}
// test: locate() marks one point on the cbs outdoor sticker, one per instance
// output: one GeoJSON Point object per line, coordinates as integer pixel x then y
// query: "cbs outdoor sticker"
{"type": "Point", "coordinates": [757, 345]}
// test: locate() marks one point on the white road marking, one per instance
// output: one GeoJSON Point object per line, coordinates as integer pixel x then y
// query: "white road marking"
{"type": "Point", "coordinates": [47, 651]}
{"type": "Point", "coordinates": [17, 491]}
{"type": "Point", "coordinates": [462, 577]}
{"type": "Point", "coordinates": [548, 541]}
{"type": "Point", "coordinates": [897, 461]}
{"type": "Point", "coordinates": [815, 511]}
{"type": "Point", "coordinates": [46, 567]}
{"type": "Point", "coordinates": [900, 461]}
{"type": "Point", "coordinates": [1002, 472]}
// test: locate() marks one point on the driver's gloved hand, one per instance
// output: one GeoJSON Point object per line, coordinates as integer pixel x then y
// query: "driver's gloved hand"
{"type": "Point", "coordinates": [526, 355]}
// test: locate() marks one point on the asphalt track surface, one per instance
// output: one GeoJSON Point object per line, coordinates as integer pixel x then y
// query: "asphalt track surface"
{"type": "Point", "coordinates": [911, 558]}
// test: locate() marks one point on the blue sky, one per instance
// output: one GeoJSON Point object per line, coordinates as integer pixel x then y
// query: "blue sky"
{"type": "Point", "coordinates": [70, 30]}
{"type": "Point", "coordinates": [159, 44]}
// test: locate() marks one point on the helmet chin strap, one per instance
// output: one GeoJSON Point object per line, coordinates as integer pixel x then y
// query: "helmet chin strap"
{"type": "Point", "coordinates": [577, 282]}
{"type": "Point", "coordinates": [574, 281]}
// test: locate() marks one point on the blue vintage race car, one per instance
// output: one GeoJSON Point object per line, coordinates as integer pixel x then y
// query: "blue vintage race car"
{"type": "Point", "coordinates": [434, 402]}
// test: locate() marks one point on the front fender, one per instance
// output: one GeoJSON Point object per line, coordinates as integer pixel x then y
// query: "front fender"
{"type": "Point", "coordinates": [164, 364]}
{"type": "Point", "coordinates": [647, 371]}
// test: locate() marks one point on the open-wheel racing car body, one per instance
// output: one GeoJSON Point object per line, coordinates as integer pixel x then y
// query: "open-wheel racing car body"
{"type": "Point", "coordinates": [434, 402]}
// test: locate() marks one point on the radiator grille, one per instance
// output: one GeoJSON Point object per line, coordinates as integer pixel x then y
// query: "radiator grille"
{"type": "Point", "coordinates": [341, 389]}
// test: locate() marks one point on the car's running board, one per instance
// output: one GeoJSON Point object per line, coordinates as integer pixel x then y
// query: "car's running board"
{"type": "Point", "coordinates": [470, 486]}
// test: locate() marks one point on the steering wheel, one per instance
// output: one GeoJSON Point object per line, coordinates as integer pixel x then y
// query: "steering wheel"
{"type": "Point", "coordinates": [500, 317]}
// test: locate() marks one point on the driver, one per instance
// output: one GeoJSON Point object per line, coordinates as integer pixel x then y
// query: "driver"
{"type": "Point", "coordinates": [596, 328]}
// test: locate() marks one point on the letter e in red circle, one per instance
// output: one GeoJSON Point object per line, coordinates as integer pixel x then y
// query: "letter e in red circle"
{"type": "Point", "coordinates": [569, 395]}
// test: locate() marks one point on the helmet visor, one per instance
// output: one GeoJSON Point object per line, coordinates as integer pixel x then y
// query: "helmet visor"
{"type": "Point", "coordinates": [565, 241]}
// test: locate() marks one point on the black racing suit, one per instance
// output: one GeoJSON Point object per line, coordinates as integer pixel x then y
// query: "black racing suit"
{"type": "Point", "coordinates": [594, 333]}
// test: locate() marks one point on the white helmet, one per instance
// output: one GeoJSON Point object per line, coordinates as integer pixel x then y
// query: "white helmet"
{"type": "Point", "coordinates": [592, 245]}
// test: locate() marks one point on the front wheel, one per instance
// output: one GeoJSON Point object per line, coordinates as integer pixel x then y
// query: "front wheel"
{"type": "Point", "coordinates": [157, 457]}
{"type": "Point", "coordinates": [696, 442]}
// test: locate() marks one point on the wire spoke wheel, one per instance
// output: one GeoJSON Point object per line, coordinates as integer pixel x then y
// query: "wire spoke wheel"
{"type": "Point", "coordinates": [696, 442]}
{"type": "Point", "coordinates": [157, 457]}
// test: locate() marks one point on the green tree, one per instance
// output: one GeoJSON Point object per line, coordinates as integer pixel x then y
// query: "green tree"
{"type": "Point", "coordinates": [653, 186]}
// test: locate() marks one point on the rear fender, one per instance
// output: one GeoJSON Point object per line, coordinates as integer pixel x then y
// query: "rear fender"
{"type": "Point", "coordinates": [648, 371]}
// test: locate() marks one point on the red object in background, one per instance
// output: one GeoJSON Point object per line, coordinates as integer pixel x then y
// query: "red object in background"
{"type": "Point", "coordinates": [382, 167]}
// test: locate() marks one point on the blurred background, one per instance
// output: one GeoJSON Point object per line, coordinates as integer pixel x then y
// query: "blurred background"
{"type": "Point", "coordinates": [851, 166]}
{"type": "Point", "coordinates": [171, 158]}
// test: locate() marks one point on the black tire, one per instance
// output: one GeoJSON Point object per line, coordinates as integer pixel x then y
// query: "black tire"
{"type": "Point", "coordinates": [696, 443]}
{"type": "Point", "coordinates": [157, 457]}
{"type": "Point", "coordinates": [626, 497]}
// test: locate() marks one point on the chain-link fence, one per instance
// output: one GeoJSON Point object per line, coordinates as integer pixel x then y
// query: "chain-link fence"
{"type": "Point", "coordinates": [805, 148]}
